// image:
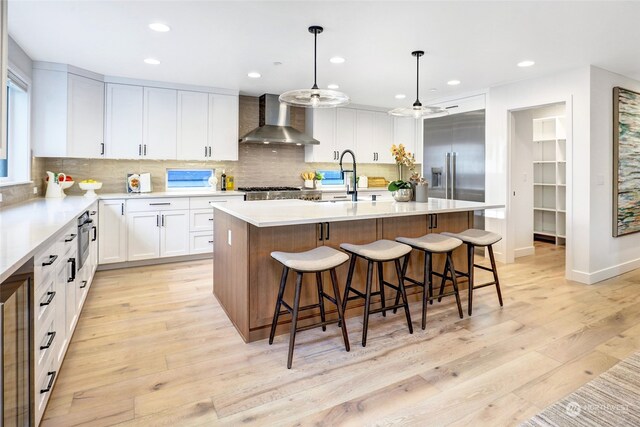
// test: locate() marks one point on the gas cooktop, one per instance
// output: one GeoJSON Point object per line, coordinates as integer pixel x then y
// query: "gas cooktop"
{"type": "Point", "coordinates": [279, 193]}
{"type": "Point", "coordinates": [252, 189]}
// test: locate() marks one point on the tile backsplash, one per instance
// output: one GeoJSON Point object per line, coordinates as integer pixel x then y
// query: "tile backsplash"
{"type": "Point", "coordinates": [258, 165]}
{"type": "Point", "coordinates": [20, 193]}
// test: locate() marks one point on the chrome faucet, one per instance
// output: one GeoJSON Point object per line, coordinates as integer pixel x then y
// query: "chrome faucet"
{"type": "Point", "coordinates": [354, 192]}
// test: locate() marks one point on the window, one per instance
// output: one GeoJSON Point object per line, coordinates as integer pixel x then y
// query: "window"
{"type": "Point", "coordinates": [16, 167]}
{"type": "Point", "coordinates": [189, 179]}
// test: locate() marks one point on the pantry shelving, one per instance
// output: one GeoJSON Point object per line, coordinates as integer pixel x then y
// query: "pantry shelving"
{"type": "Point", "coordinates": [550, 178]}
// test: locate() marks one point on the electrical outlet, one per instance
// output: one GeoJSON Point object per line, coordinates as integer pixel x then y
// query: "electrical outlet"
{"type": "Point", "coordinates": [35, 190]}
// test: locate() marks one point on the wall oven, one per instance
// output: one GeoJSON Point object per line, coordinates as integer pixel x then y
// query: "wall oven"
{"type": "Point", "coordinates": [85, 226]}
{"type": "Point", "coordinates": [16, 293]}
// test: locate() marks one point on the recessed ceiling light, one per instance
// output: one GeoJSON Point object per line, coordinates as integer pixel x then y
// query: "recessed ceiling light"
{"type": "Point", "coordinates": [152, 61]}
{"type": "Point", "coordinates": [159, 27]}
{"type": "Point", "coordinates": [401, 96]}
{"type": "Point", "coordinates": [337, 60]}
{"type": "Point", "coordinates": [453, 82]}
{"type": "Point", "coordinates": [266, 142]}
{"type": "Point", "coordinates": [526, 63]}
{"type": "Point", "coordinates": [333, 86]}
{"type": "Point", "coordinates": [254, 75]}
{"type": "Point", "coordinates": [433, 89]}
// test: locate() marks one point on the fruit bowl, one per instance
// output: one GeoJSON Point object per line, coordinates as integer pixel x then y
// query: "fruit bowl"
{"type": "Point", "coordinates": [66, 184]}
{"type": "Point", "coordinates": [90, 188]}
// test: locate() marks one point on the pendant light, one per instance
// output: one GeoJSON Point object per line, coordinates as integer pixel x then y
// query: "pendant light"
{"type": "Point", "coordinates": [418, 111]}
{"type": "Point", "coordinates": [315, 97]}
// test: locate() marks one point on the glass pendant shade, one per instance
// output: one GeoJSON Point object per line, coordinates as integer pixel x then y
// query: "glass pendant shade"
{"type": "Point", "coordinates": [315, 97]}
{"type": "Point", "coordinates": [417, 110]}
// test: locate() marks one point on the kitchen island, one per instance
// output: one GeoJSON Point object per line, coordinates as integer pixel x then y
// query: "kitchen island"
{"type": "Point", "coordinates": [246, 278]}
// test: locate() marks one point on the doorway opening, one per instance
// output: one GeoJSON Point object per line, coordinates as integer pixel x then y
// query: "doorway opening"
{"type": "Point", "coordinates": [539, 178]}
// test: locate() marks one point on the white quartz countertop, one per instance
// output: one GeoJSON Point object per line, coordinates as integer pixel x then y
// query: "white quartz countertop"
{"type": "Point", "coordinates": [161, 194]}
{"type": "Point", "coordinates": [26, 226]}
{"type": "Point", "coordinates": [290, 212]}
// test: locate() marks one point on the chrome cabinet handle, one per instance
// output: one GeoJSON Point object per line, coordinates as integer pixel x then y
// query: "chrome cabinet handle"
{"type": "Point", "coordinates": [139, 149]}
{"type": "Point", "coordinates": [453, 174]}
{"type": "Point", "coordinates": [145, 149]}
{"type": "Point", "coordinates": [102, 148]}
{"type": "Point", "coordinates": [162, 220]}
{"type": "Point", "coordinates": [160, 204]}
{"type": "Point", "coordinates": [321, 231]}
{"type": "Point", "coordinates": [209, 151]}
{"type": "Point", "coordinates": [122, 209]}
{"type": "Point", "coordinates": [157, 220]}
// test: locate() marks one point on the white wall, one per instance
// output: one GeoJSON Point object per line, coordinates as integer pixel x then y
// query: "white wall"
{"type": "Point", "coordinates": [573, 88]}
{"type": "Point", "coordinates": [609, 256]}
{"type": "Point", "coordinates": [18, 58]}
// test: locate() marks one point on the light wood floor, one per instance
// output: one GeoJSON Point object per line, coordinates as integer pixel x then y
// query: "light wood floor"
{"type": "Point", "coordinates": [153, 347]}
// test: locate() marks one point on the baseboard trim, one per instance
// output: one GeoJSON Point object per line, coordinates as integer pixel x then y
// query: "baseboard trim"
{"type": "Point", "coordinates": [526, 251]}
{"type": "Point", "coordinates": [605, 273]}
{"type": "Point", "coordinates": [154, 261]}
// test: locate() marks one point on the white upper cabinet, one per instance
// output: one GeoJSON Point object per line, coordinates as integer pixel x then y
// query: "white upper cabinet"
{"type": "Point", "coordinates": [123, 128]}
{"type": "Point", "coordinates": [404, 132]}
{"type": "Point", "coordinates": [321, 125]}
{"type": "Point", "coordinates": [383, 137]}
{"type": "Point", "coordinates": [85, 117]}
{"type": "Point", "coordinates": [193, 126]}
{"type": "Point", "coordinates": [160, 123]}
{"type": "Point", "coordinates": [345, 129]}
{"type": "Point", "coordinates": [68, 114]}
{"type": "Point", "coordinates": [223, 126]}
{"type": "Point", "coordinates": [365, 148]}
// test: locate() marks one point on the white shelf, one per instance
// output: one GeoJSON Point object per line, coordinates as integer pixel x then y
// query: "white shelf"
{"type": "Point", "coordinates": [550, 177]}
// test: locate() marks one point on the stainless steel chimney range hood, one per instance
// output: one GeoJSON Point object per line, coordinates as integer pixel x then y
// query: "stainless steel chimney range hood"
{"type": "Point", "coordinates": [274, 126]}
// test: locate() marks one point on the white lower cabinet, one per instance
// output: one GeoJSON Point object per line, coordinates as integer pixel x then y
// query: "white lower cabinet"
{"type": "Point", "coordinates": [174, 233]}
{"type": "Point", "coordinates": [201, 242]}
{"type": "Point", "coordinates": [143, 240]}
{"type": "Point", "coordinates": [112, 232]}
{"type": "Point", "coordinates": [157, 234]}
{"type": "Point", "coordinates": [60, 289]}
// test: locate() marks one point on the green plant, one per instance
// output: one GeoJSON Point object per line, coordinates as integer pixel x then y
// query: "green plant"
{"type": "Point", "coordinates": [399, 185]}
{"type": "Point", "coordinates": [319, 176]}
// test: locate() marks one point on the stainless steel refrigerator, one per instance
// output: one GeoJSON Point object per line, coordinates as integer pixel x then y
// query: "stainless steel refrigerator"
{"type": "Point", "coordinates": [454, 156]}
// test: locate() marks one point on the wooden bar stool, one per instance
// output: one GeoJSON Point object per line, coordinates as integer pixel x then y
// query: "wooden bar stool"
{"type": "Point", "coordinates": [379, 252]}
{"type": "Point", "coordinates": [432, 244]}
{"type": "Point", "coordinates": [478, 238]}
{"type": "Point", "coordinates": [315, 261]}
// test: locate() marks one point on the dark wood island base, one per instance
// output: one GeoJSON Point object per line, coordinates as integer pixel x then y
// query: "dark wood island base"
{"type": "Point", "coordinates": [246, 278]}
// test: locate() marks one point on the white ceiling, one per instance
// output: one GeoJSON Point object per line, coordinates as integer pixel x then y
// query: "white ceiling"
{"type": "Point", "coordinates": [215, 43]}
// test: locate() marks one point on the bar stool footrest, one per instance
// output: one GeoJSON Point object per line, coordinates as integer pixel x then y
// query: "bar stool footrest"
{"type": "Point", "coordinates": [484, 285]}
{"type": "Point", "coordinates": [315, 325]}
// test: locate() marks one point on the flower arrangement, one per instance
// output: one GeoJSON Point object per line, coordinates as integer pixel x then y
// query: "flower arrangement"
{"type": "Point", "coordinates": [404, 158]}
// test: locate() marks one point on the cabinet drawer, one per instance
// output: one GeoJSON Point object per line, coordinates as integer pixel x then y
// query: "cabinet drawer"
{"type": "Point", "coordinates": [201, 219]}
{"type": "Point", "coordinates": [44, 386]}
{"type": "Point", "coordinates": [205, 202]}
{"type": "Point", "coordinates": [159, 204]}
{"type": "Point", "coordinates": [69, 238]}
{"type": "Point", "coordinates": [44, 301]}
{"type": "Point", "coordinates": [45, 344]}
{"type": "Point", "coordinates": [46, 261]}
{"type": "Point", "coordinates": [201, 242]}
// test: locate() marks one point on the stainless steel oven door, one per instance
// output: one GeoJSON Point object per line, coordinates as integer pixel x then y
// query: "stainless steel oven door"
{"type": "Point", "coordinates": [84, 238]}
